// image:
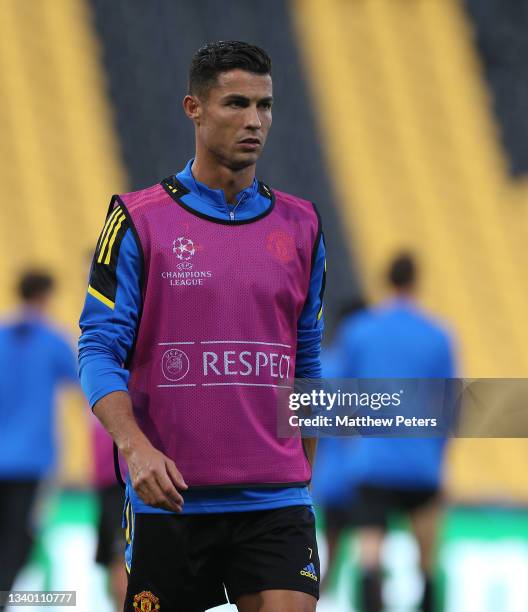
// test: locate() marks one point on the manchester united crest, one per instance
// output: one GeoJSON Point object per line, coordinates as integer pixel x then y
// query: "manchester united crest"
{"type": "Point", "coordinates": [146, 602]}
{"type": "Point", "coordinates": [281, 246]}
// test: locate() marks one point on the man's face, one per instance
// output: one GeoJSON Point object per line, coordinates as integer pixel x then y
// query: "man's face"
{"type": "Point", "coordinates": [234, 119]}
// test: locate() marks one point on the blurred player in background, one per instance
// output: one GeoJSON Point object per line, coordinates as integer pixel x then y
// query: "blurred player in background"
{"type": "Point", "coordinates": [335, 455]}
{"type": "Point", "coordinates": [208, 286]}
{"type": "Point", "coordinates": [397, 340]}
{"type": "Point", "coordinates": [35, 360]}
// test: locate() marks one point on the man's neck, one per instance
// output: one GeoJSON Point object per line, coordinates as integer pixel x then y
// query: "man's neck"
{"type": "Point", "coordinates": [31, 310]}
{"type": "Point", "coordinates": [216, 176]}
{"type": "Point", "coordinates": [403, 295]}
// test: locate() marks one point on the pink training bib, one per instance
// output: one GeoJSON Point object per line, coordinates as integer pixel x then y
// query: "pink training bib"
{"type": "Point", "coordinates": [218, 333]}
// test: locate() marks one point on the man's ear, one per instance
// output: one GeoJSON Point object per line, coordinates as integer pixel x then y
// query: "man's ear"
{"type": "Point", "coordinates": [192, 107]}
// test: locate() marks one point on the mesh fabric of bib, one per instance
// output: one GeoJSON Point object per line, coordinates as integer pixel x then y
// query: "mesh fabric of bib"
{"type": "Point", "coordinates": [217, 336]}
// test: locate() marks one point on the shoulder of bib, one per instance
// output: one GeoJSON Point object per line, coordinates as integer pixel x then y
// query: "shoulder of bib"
{"type": "Point", "coordinates": [305, 212]}
{"type": "Point", "coordinates": [299, 207]}
{"type": "Point", "coordinates": [138, 207]}
{"type": "Point", "coordinates": [294, 201]}
{"type": "Point", "coordinates": [140, 201]}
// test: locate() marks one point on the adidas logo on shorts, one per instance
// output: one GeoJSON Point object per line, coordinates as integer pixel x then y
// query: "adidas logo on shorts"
{"type": "Point", "coordinates": [309, 572]}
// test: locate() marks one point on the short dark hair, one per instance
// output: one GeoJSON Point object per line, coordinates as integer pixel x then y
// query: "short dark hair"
{"type": "Point", "coordinates": [402, 271]}
{"type": "Point", "coordinates": [216, 57]}
{"type": "Point", "coordinates": [34, 284]}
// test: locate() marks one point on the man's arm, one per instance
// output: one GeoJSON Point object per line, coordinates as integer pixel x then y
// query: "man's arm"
{"type": "Point", "coordinates": [154, 476]}
{"type": "Point", "coordinates": [310, 332]}
{"type": "Point", "coordinates": [108, 324]}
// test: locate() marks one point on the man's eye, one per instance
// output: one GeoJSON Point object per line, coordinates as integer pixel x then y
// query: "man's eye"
{"type": "Point", "coordinates": [236, 103]}
{"type": "Point", "coordinates": [266, 105]}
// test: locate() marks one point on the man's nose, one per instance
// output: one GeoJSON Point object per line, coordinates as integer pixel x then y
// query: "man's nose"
{"type": "Point", "coordinates": [253, 118]}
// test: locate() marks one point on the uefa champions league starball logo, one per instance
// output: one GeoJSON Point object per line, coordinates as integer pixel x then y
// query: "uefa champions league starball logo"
{"type": "Point", "coordinates": [184, 248]}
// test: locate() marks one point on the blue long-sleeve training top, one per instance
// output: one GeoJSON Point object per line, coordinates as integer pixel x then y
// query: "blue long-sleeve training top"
{"type": "Point", "coordinates": [396, 340]}
{"type": "Point", "coordinates": [108, 334]}
{"type": "Point", "coordinates": [36, 359]}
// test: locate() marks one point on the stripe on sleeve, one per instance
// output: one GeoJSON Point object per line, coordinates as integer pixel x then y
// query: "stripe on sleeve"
{"type": "Point", "coordinates": [103, 275]}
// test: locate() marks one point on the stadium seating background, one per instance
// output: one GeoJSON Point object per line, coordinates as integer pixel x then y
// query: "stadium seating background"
{"type": "Point", "coordinates": [402, 120]}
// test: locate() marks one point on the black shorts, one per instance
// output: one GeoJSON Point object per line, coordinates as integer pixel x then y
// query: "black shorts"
{"type": "Point", "coordinates": [183, 562]}
{"type": "Point", "coordinates": [18, 499]}
{"type": "Point", "coordinates": [376, 504]}
{"type": "Point", "coordinates": [110, 542]}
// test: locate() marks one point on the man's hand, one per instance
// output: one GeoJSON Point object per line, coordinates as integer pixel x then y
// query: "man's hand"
{"type": "Point", "coordinates": [155, 477]}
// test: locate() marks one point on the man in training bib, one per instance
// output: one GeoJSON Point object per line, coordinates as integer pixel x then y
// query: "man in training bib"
{"type": "Point", "coordinates": [205, 299]}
